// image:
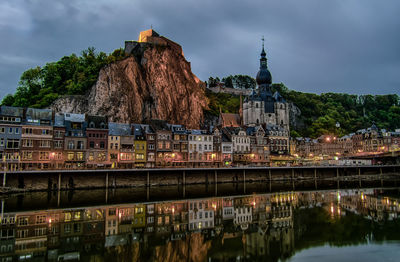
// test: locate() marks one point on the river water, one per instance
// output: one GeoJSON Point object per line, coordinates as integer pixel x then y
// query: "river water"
{"type": "Point", "coordinates": [228, 222]}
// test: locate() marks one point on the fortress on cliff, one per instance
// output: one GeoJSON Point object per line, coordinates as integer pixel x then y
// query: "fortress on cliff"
{"type": "Point", "coordinates": [151, 37]}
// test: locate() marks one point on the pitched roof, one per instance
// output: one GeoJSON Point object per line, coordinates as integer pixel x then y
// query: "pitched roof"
{"type": "Point", "coordinates": [97, 122]}
{"type": "Point", "coordinates": [119, 129]}
{"type": "Point", "coordinates": [35, 113]}
{"type": "Point", "coordinates": [11, 111]}
{"type": "Point", "coordinates": [74, 117]}
{"type": "Point", "coordinates": [228, 119]}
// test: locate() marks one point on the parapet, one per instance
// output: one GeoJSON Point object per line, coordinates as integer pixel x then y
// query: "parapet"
{"type": "Point", "coordinates": [153, 38]}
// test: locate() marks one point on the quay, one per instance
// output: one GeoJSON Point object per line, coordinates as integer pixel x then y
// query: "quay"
{"type": "Point", "coordinates": [56, 180]}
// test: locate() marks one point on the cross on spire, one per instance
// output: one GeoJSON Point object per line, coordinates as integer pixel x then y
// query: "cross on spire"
{"type": "Point", "coordinates": [262, 39]}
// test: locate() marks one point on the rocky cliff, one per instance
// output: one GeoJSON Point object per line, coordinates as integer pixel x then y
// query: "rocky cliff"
{"type": "Point", "coordinates": [155, 82]}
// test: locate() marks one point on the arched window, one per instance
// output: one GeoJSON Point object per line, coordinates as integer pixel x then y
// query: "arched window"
{"type": "Point", "coordinates": [102, 125]}
{"type": "Point", "coordinates": [256, 105]}
{"type": "Point", "coordinates": [91, 125]}
{"type": "Point", "coordinates": [281, 106]}
{"type": "Point", "coordinates": [258, 121]}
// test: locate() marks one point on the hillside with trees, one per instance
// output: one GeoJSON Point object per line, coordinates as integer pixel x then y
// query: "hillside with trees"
{"type": "Point", "coordinates": [321, 113]}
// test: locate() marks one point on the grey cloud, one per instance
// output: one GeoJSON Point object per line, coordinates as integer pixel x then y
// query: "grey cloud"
{"type": "Point", "coordinates": [314, 46]}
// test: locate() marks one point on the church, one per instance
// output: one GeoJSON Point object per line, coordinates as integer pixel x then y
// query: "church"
{"type": "Point", "coordinates": [262, 107]}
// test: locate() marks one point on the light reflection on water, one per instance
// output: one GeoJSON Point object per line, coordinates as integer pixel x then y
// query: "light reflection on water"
{"type": "Point", "coordinates": [387, 251]}
{"type": "Point", "coordinates": [330, 225]}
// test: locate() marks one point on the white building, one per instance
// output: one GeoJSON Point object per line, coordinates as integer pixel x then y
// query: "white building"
{"type": "Point", "coordinates": [200, 146]}
{"type": "Point", "coordinates": [201, 214]}
{"type": "Point", "coordinates": [243, 216]}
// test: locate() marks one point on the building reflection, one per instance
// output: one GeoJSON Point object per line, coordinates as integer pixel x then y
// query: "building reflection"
{"type": "Point", "coordinates": [218, 228]}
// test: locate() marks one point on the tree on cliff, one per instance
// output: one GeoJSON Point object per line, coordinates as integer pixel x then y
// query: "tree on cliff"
{"type": "Point", "coordinates": [71, 75]}
{"type": "Point", "coordinates": [239, 81]}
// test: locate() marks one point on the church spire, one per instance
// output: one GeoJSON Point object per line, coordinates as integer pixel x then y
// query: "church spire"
{"type": "Point", "coordinates": [263, 75]}
{"type": "Point", "coordinates": [263, 59]}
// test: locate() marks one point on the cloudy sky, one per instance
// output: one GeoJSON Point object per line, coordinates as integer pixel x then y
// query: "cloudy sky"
{"type": "Point", "coordinates": [315, 46]}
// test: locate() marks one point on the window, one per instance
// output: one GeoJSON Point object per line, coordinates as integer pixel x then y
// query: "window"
{"type": "Point", "coordinates": [101, 157]}
{"type": "Point", "coordinates": [91, 144]}
{"type": "Point", "coordinates": [67, 228]}
{"type": "Point", "coordinates": [113, 156]}
{"type": "Point", "coordinates": [40, 219]}
{"type": "Point", "coordinates": [44, 143]}
{"type": "Point", "coordinates": [58, 134]}
{"type": "Point", "coordinates": [13, 143]}
{"type": "Point", "coordinates": [2, 130]}
{"type": "Point", "coordinates": [70, 156]}
{"type": "Point", "coordinates": [58, 144]}
{"type": "Point", "coordinates": [71, 145]}
{"type": "Point", "coordinates": [80, 145]}
{"type": "Point", "coordinates": [27, 130]}
{"type": "Point", "coordinates": [10, 130]}
{"type": "Point", "coordinates": [91, 156]}
{"type": "Point", "coordinates": [44, 156]}
{"type": "Point", "coordinates": [45, 131]}
{"type": "Point", "coordinates": [40, 231]}
{"type": "Point", "coordinates": [22, 233]}
{"type": "Point", "coordinates": [102, 144]}
{"type": "Point", "coordinates": [22, 221]}
{"type": "Point", "coordinates": [151, 146]}
{"type": "Point", "coordinates": [27, 143]}
{"type": "Point", "coordinates": [139, 156]}
{"type": "Point", "coordinates": [79, 156]}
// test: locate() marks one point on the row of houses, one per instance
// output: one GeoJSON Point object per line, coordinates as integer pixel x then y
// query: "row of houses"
{"type": "Point", "coordinates": [364, 141]}
{"type": "Point", "coordinates": [42, 139]}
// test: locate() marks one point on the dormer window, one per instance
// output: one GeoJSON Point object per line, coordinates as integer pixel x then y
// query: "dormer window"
{"type": "Point", "coordinates": [102, 125]}
{"type": "Point", "coordinates": [91, 125]}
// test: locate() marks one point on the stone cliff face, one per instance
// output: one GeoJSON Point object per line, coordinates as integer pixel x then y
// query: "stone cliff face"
{"type": "Point", "coordinates": [155, 83]}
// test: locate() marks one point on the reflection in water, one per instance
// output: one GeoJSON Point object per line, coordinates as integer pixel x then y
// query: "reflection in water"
{"type": "Point", "coordinates": [267, 227]}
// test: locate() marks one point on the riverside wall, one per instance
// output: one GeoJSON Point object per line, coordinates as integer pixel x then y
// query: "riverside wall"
{"type": "Point", "coordinates": [87, 179]}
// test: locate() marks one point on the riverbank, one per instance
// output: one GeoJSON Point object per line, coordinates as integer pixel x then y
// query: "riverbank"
{"type": "Point", "coordinates": [52, 180]}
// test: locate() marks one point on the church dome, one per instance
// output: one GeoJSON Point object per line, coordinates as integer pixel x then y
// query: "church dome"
{"type": "Point", "coordinates": [263, 76]}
